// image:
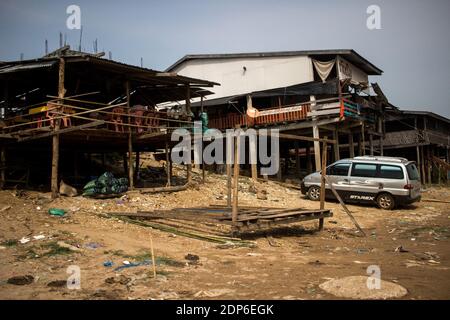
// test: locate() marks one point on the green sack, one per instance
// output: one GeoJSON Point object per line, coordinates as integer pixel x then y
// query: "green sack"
{"type": "Point", "coordinates": [91, 184]}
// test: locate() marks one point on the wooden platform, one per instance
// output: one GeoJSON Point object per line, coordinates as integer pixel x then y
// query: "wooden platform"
{"type": "Point", "coordinates": [249, 218]}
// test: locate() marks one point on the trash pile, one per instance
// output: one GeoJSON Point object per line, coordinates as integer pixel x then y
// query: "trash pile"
{"type": "Point", "coordinates": [105, 185]}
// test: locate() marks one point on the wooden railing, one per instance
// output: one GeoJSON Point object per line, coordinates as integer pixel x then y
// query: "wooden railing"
{"type": "Point", "coordinates": [270, 117]}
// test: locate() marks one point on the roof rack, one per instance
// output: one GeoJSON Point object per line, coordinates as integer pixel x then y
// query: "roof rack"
{"type": "Point", "coordinates": [381, 158]}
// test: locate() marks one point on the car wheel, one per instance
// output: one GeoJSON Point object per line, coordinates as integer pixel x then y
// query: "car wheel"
{"type": "Point", "coordinates": [386, 201]}
{"type": "Point", "coordinates": [314, 193]}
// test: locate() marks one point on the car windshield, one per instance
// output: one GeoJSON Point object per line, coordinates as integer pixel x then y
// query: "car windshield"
{"type": "Point", "coordinates": [413, 174]}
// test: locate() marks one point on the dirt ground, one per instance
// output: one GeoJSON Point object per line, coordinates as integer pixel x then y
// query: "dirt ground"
{"type": "Point", "coordinates": [289, 262]}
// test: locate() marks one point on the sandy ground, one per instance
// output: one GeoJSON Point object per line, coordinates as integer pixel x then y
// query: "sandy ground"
{"type": "Point", "coordinates": [289, 262]}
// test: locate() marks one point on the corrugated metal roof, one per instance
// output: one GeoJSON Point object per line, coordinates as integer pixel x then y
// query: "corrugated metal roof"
{"type": "Point", "coordinates": [349, 54]}
{"type": "Point", "coordinates": [26, 66]}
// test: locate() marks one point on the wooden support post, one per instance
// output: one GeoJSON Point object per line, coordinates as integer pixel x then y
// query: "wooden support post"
{"type": "Point", "coordinates": [188, 110]}
{"type": "Point", "coordinates": [308, 158]}
{"type": "Point", "coordinates": [297, 159]}
{"type": "Point", "coordinates": [363, 137]}
{"type": "Point", "coordinates": [429, 164]}
{"type": "Point", "coordinates": [203, 162]}
{"type": "Point", "coordinates": [136, 167]}
{"type": "Point", "coordinates": [422, 165]}
{"type": "Point", "coordinates": [336, 145]}
{"type": "Point", "coordinates": [125, 164]}
{"type": "Point", "coordinates": [55, 138]}
{"type": "Point", "coordinates": [103, 159]}
{"type": "Point", "coordinates": [418, 162]}
{"type": "Point", "coordinates": [322, 181]}
{"type": "Point", "coordinates": [76, 172]}
{"type": "Point", "coordinates": [316, 147]}
{"type": "Point", "coordinates": [130, 139]}
{"type": "Point", "coordinates": [381, 132]}
{"type": "Point", "coordinates": [130, 161]}
{"type": "Point", "coordinates": [168, 173]}
{"type": "Point", "coordinates": [2, 167]}
{"type": "Point", "coordinates": [316, 135]}
{"type": "Point", "coordinates": [351, 145]}
{"type": "Point", "coordinates": [229, 161]}
{"type": "Point", "coordinates": [371, 144]}
{"type": "Point", "coordinates": [253, 158]}
{"type": "Point", "coordinates": [236, 179]}
{"type": "Point", "coordinates": [228, 185]}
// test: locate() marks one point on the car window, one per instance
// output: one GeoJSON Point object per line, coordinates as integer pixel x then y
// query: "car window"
{"type": "Point", "coordinates": [364, 170]}
{"type": "Point", "coordinates": [413, 174]}
{"type": "Point", "coordinates": [391, 172]}
{"type": "Point", "coordinates": [339, 169]}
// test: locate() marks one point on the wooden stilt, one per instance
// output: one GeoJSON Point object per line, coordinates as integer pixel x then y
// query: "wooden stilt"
{"type": "Point", "coordinates": [316, 134]}
{"type": "Point", "coordinates": [371, 144]}
{"type": "Point", "coordinates": [253, 158]}
{"type": "Point", "coordinates": [130, 140]}
{"type": "Point", "coordinates": [168, 164]}
{"type": "Point", "coordinates": [125, 164]}
{"type": "Point", "coordinates": [351, 145]}
{"type": "Point", "coordinates": [322, 182]}
{"type": "Point", "coordinates": [137, 166]}
{"type": "Point", "coordinates": [297, 159]}
{"type": "Point", "coordinates": [308, 158]}
{"type": "Point", "coordinates": [55, 138]}
{"type": "Point", "coordinates": [2, 167]}
{"type": "Point", "coordinates": [418, 162]}
{"type": "Point", "coordinates": [235, 180]}
{"type": "Point", "coordinates": [228, 185]}
{"type": "Point", "coordinates": [188, 110]}
{"type": "Point", "coordinates": [381, 132]}
{"type": "Point", "coordinates": [336, 145]}
{"type": "Point", "coordinates": [422, 165]}
{"type": "Point", "coordinates": [429, 164]}
{"type": "Point", "coordinates": [130, 161]}
{"type": "Point", "coordinates": [363, 138]}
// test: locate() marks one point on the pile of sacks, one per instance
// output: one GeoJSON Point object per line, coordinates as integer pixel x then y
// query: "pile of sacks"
{"type": "Point", "coordinates": [106, 184]}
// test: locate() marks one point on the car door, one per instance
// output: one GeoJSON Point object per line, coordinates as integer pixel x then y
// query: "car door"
{"type": "Point", "coordinates": [338, 175]}
{"type": "Point", "coordinates": [364, 183]}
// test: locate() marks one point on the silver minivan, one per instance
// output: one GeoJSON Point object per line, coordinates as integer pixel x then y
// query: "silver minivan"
{"type": "Point", "coordinates": [385, 181]}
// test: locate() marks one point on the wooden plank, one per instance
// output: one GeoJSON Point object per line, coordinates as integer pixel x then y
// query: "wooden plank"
{"type": "Point", "coordinates": [62, 131]}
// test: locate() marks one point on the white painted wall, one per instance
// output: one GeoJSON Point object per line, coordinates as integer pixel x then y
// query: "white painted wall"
{"type": "Point", "coordinates": [262, 73]}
